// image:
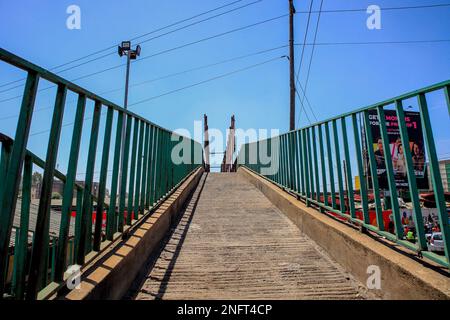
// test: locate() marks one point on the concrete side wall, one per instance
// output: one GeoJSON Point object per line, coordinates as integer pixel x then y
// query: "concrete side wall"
{"type": "Point", "coordinates": [401, 276]}
{"type": "Point", "coordinates": [110, 278]}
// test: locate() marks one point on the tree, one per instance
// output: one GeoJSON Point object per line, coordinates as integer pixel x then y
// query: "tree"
{"type": "Point", "coordinates": [56, 196]}
{"type": "Point", "coordinates": [36, 179]}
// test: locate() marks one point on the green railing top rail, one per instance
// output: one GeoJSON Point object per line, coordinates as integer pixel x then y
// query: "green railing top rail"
{"type": "Point", "coordinates": [4, 139]}
{"type": "Point", "coordinates": [28, 66]}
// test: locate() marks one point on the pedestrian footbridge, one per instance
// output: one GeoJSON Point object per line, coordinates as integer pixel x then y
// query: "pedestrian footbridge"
{"type": "Point", "coordinates": [283, 221]}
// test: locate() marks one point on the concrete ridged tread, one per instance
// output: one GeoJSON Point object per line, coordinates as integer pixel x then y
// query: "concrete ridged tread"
{"type": "Point", "coordinates": [236, 245]}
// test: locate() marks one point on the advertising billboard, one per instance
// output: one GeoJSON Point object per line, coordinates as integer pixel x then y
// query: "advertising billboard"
{"type": "Point", "coordinates": [396, 149]}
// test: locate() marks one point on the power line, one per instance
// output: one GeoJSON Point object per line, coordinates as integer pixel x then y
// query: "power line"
{"type": "Point", "coordinates": [373, 42]}
{"type": "Point", "coordinates": [165, 34]}
{"type": "Point", "coordinates": [174, 91]}
{"type": "Point", "coordinates": [207, 80]}
{"type": "Point", "coordinates": [440, 5]}
{"type": "Point", "coordinates": [135, 38]}
{"type": "Point", "coordinates": [305, 37]}
{"type": "Point", "coordinates": [172, 75]}
{"type": "Point", "coordinates": [221, 7]}
{"type": "Point", "coordinates": [312, 53]}
{"type": "Point", "coordinates": [164, 52]}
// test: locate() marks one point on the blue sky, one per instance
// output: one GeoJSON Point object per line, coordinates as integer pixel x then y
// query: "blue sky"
{"type": "Point", "coordinates": [342, 77]}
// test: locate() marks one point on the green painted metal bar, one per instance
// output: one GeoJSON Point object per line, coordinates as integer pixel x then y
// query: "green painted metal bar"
{"type": "Point", "coordinates": [79, 209]}
{"type": "Point", "coordinates": [40, 246]}
{"type": "Point", "coordinates": [283, 161]}
{"type": "Point", "coordinates": [330, 166]}
{"type": "Point", "coordinates": [158, 167]}
{"type": "Point", "coordinates": [316, 164]}
{"type": "Point", "coordinates": [310, 163]}
{"type": "Point", "coordinates": [296, 161]}
{"type": "Point", "coordinates": [4, 161]}
{"type": "Point", "coordinates": [362, 180]}
{"type": "Point", "coordinates": [151, 168]}
{"type": "Point", "coordinates": [22, 244]}
{"type": "Point", "coordinates": [322, 166]}
{"type": "Point", "coordinates": [145, 173]}
{"type": "Point", "coordinates": [139, 172]}
{"type": "Point", "coordinates": [131, 190]}
{"type": "Point", "coordinates": [86, 217]}
{"type": "Point", "coordinates": [15, 261]}
{"type": "Point", "coordinates": [447, 96]}
{"type": "Point", "coordinates": [12, 181]}
{"type": "Point", "coordinates": [306, 168]}
{"type": "Point", "coordinates": [301, 163]}
{"type": "Point", "coordinates": [103, 180]}
{"type": "Point", "coordinates": [390, 173]}
{"type": "Point", "coordinates": [337, 155]}
{"type": "Point", "coordinates": [435, 174]}
{"type": "Point", "coordinates": [124, 176]}
{"type": "Point", "coordinates": [373, 171]}
{"type": "Point", "coordinates": [66, 207]}
{"type": "Point", "coordinates": [23, 64]}
{"type": "Point", "coordinates": [112, 216]}
{"type": "Point", "coordinates": [53, 257]}
{"type": "Point", "coordinates": [291, 161]}
{"type": "Point", "coordinates": [154, 163]}
{"type": "Point", "coordinates": [414, 193]}
{"type": "Point", "coordinates": [348, 167]}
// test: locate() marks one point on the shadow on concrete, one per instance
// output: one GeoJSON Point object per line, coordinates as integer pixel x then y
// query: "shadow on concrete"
{"type": "Point", "coordinates": [176, 237]}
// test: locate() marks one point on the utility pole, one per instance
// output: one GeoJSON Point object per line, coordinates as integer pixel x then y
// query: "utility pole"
{"type": "Point", "coordinates": [291, 65]}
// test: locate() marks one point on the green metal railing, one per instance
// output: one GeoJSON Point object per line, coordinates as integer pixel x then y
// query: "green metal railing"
{"type": "Point", "coordinates": [149, 175]}
{"type": "Point", "coordinates": [309, 165]}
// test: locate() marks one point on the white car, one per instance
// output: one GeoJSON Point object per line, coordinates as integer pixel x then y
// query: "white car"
{"type": "Point", "coordinates": [436, 243]}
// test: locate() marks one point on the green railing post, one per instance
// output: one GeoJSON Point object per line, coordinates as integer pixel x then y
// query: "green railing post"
{"type": "Point", "coordinates": [103, 179]}
{"type": "Point", "coordinates": [337, 154]}
{"type": "Point", "coordinates": [86, 217]}
{"type": "Point", "coordinates": [305, 167]}
{"type": "Point", "coordinates": [330, 166]}
{"type": "Point", "coordinates": [40, 246]}
{"type": "Point", "coordinates": [310, 162]}
{"type": "Point", "coordinates": [151, 168]}
{"type": "Point", "coordinates": [447, 97]}
{"type": "Point", "coordinates": [322, 166]}
{"type": "Point", "coordinates": [22, 245]}
{"type": "Point", "coordinates": [130, 212]}
{"type": "Point", "coordinates": [348, 170]}
{"type": "Point", "coordinates": [12, 181]}
{"type": "Point", "coordinates": [112, 216]}
{"type": "Point", "coordinates": [145, 172]}
{"type": "Point", "coordinates": [362, 178]}
{"type": "Point", "coordinates": [316, 164]}
{"type": "Point", "coordinates": [124, 176]}
{"type": "Point", "coordinates": [373, 171]}
{"type": "Point", "coordinates": [137, 188]}
{"type": "Point", "coordinates": [390, 172]}
{"type": "Point", "coordinates": [435, 174]}
{"type": "Point", "coordinates": [66, 208]}
{"type": "Point", "coordinates": [413, 191]}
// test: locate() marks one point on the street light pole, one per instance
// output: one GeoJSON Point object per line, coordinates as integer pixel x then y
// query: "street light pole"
{"type": "Point", "coordinates": [131, 54]}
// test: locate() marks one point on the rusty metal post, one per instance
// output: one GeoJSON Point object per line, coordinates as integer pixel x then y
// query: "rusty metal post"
{"type": "Point", "coordinates": [206, 143]}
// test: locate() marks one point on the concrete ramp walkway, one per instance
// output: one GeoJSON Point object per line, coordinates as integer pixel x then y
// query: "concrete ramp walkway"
{"type": "Point", "coordinates": [234, 244]}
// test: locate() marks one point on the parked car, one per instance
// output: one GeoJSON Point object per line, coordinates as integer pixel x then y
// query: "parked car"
{"type": "Point", "coordinates": [436, 243]}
